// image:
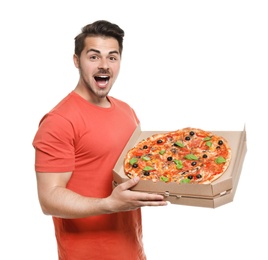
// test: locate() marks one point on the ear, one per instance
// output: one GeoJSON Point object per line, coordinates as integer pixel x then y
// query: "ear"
{"type": "Point", "coordinates": [76, 61]}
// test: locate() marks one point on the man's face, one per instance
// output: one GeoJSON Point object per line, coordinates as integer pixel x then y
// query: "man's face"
{"type": "Point", "coordinates": [99, 65]}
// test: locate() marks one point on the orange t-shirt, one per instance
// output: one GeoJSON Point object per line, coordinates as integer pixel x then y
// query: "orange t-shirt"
{"type": "Point", "coordinates": [87, 140]}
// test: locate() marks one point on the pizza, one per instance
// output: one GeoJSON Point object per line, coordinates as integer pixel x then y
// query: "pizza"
{"type": "Point", "coordinates": [188, 155]}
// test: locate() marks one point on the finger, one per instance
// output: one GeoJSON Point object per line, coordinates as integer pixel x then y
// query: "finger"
{"type": "Point", "coordinates": [153, 203]}
{"type": "Point", "coordinates": [130, 183]}
{"type": "Point", "coordinates": [150, 197]}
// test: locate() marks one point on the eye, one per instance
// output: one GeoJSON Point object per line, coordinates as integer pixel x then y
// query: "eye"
{"type": "Point", "coordinates": [112, 58]}
{"type": "Point", "coordinates": [93, 57]}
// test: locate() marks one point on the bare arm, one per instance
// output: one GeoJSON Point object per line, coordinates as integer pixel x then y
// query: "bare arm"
{"type": "Point", "coordinates": [55, 199]}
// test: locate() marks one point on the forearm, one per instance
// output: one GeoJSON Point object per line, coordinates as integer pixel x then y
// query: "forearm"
{"type": "Point", "coordinates": [56, 200]}
{"type": "Point", "coordinates": [64, 203]}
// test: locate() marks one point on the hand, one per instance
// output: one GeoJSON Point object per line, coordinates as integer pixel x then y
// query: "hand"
{"type": "Point", "coordinates": [123, 199]}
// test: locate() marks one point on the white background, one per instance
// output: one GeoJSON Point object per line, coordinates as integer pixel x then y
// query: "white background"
{"type": "Point", "coordinates": [185, 63]}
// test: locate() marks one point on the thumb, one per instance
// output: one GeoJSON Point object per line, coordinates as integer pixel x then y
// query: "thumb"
{"type": "Point", "coordinates": [130, 183]}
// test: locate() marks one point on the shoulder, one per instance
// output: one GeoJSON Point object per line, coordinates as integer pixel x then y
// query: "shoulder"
{"type": "Point", "coordinates": [67, 109]}
{"type": "Point", "coordinates": [119, 103]}
{"type": "Point", "coordinates": [66, 105]}
{"type": "Point", "coordinates": [61, 116]}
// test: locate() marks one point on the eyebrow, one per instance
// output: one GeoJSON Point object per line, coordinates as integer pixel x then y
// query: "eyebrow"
{"type": "Point", "coordinates": [94, 50]}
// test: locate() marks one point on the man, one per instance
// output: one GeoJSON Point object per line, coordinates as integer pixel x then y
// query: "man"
{"type": "Point", "coordinates": [77, 145]}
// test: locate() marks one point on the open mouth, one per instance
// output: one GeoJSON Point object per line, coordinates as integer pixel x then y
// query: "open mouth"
{"type": "Point", "coordinates": [102, 80]}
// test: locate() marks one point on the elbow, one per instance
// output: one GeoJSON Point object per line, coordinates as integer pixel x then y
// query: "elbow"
{"type": "Point", "coordinates": [44, 208]}
{"type": "Point", "coordinates": [45, 211]}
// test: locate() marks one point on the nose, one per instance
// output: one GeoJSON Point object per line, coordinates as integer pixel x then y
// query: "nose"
{"type": "Point", "coordinates": [103, 64]}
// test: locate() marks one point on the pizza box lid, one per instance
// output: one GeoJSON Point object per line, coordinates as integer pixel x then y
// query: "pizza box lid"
{"type": "Point", "coordinates": [219, 192]}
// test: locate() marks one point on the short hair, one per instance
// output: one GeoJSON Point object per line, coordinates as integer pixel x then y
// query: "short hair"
{"type": "Point", "coordinates": [99, 28]}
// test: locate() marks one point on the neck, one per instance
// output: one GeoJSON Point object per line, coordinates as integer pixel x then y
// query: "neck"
{"type": "Point", "coordinates": [93, 99]}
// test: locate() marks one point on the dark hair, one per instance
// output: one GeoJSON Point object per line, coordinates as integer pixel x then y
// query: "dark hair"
{"type": "Point", "coordinates": [98, 28]}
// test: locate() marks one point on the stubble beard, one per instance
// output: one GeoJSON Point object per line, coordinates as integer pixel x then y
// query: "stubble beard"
{"type": "Point", "coordinates": [98, 93]}
{"type": "Point", "coordinates": [101, 93]}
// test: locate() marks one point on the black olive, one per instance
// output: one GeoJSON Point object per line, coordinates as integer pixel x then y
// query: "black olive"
{"type": "Point", "coordinates": [220, 142]}
{"type": "Point", "coordinates": [169, 158]}
{"type": "Point", "coordinates": [192, 133]}
{"type": "Point", "coordinates": [205, 156]}
{"type": "Point", "coordinates": [190, 177]}
{"type": "Point", "coordinates": [145, 147]}
{"type": "Point", "coordinates": [198, 176]}
{"type": "Point", "coordinates": [193, 163]}
{"type": "Point", "coordinates": [159, 141]}
{"type": "Point", "coordinates": [135, 165]}
{"type": "Point", "coordinates": [187, 138]}
{"type": "Point", "coordinates": [146, 174]}
{"type": "Point", "coordinates": [218, 147]}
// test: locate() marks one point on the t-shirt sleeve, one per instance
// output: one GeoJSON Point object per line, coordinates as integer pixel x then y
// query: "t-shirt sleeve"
{"type": "Point", "coordinates": [54, 145]}
{"type": "Point", "coordinates": [135, 116]}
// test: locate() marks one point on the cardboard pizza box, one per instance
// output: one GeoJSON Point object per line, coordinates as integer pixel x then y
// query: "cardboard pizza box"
{"type": "Point", "coordinates": [213, 195]}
